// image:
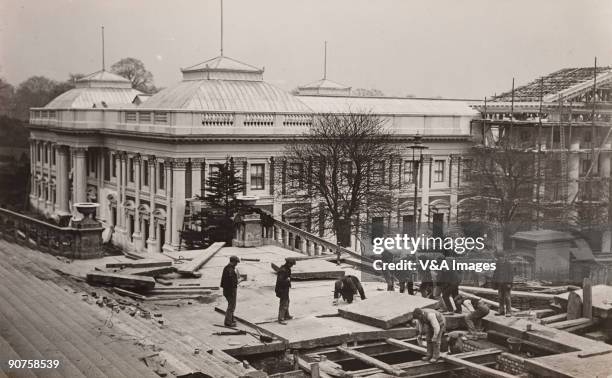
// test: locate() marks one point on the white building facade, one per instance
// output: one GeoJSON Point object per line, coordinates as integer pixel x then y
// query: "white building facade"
{"type": "Point", "coordinates": [143, 160]}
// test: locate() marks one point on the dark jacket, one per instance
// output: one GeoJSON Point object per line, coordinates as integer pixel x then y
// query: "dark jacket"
{"type": "Point", "coordinates": [283, 281]}
{"type": "Point", "coordinates": [503, 274]}
{"type": "Point", "coordinates": [448, 278]}
{"type": "Point", "coordinates": [229, 280]}
{"type": "Point", "coordinates": [348, 287]}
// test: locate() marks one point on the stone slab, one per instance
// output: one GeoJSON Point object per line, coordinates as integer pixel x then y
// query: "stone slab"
{"type": "Point", "coordinates": [571, 365]}
{"type": "Point", "coordinates": [386, 310]}
{"type": "Point", "coordinates": [124, 281]}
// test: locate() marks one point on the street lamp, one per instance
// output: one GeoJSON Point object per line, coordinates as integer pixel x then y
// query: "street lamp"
{"type": "Point", "coordinates": [417, 145]}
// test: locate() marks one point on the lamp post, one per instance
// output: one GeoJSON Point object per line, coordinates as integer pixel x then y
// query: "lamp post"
{"type": "Point", "coordinates": [417, 145]}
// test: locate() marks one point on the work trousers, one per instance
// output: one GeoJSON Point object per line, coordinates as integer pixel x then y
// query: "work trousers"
{"type": "Point", "coordinates": [403, 285]}
{"type": "Point", "coordinates": [389, 279]}
{"type": "Point", "coordinates": [433, 344]}
{"type": "Point", "coordinates": [283, 308]}
{"type": "Point", "coordinates": [448, 292]}
{"type": "Point", "coordinates": [231, 307]}
{"type": "Point", "coordinates": [472, 318]}
{"type": "Point", "coordinates": [505, 299]}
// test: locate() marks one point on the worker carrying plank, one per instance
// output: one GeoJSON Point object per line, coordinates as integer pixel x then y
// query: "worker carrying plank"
{"type": "Point", "coordinates": [480, 311]}
{"type": "Point", "coordinates": [433, 326]}
{"type": "Point", "coordinates": [229, 283]}
{"type": "Point", "coordinates": [283, 284]}
{"type": "Point", "coordinates": [502, 280]}
{"type": "Point", "coordinates": [348, 286]}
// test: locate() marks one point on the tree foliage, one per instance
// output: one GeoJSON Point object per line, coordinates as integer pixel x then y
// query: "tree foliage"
{"type": "Point", "coordinates": [340, 166]}
{"type": "Point", "coordinates": [223, 186]}
{"type": "Point", "coordinates": [134, 70]}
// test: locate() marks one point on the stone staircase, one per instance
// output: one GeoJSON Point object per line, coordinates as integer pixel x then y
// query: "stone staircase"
{"type": "Point", "coordinates": [41, 319]}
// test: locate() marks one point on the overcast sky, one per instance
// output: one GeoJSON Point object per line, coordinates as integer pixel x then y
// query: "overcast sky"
{"type": "Point", "coordinates": [451, 48]}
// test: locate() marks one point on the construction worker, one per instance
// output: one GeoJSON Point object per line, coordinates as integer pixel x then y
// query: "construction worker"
{"type": "Point", "coordinates": [433, 327]}
{"type": "Point", "coordinates": [426, 287]}
{"type": "Point", "coordinates": [449, 280]}
{"type": "Point", "coordinates": [283, 284]}
{"type": "Point", "coordinates": [480, 311]}
{"type": "Point", "coordinates": [348, 287]}
{"type": "Point", "coordinates": [387, 257]}
{"type": "Point", "coordinates": [405, 277]}
{"type": "Point", "coordinates": [229, 283]}
{"type": "Point", "coordinates": [502, 281]}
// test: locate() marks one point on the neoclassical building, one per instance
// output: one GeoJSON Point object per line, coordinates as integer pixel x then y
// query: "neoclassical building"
{"type": "Point", "coordinates": [143, 159]}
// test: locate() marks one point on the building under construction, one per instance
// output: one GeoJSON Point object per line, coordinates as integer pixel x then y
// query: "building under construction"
{"type": "Point", "coordinates": [550, 139]}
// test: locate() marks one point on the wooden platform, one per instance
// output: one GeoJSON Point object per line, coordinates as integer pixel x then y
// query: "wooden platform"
{"type": "Point", "coordinates": [311, 332]}
{"type": "Point", "coordinates": [313, 269]}
{"type": "Point", "coordinates": [602, 300]}
{"type": "Point", "coordinates": [386, 310]}
{"type": "Point", "coordinates": [571, 365]}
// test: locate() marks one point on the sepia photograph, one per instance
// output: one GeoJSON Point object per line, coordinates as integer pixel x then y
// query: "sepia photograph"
{"type": "Point", "coordinates": [295, 189]}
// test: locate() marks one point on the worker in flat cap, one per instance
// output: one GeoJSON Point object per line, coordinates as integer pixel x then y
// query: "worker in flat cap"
{"type": "Point", "coordinates": [229, 283]}
{"type": "Point", "coordinates": [283, 284]}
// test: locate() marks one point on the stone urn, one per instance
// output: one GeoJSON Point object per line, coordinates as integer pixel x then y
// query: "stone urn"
{"type": "Point", "coordinates": [88, 211]}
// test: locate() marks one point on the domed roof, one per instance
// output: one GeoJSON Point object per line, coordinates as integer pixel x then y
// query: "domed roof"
{"type": "Point", "coordinates": [225, 84]}
{"type": "Point", "coordinates": [99, 88]}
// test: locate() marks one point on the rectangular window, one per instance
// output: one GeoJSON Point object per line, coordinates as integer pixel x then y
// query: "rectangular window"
{"type": "Point", "coordinates": [107, 167]}
{"type": "Point", "coordinates": [257, 176]}
{"type": "Point", "coordinates": [92, 162]}
{"type": "Point", "coordinates": [525, 134]}
{"type": "Point", "coordinates": [296, 176]}
{"type": "Point", "coordinates": [113, 165]}
{"type": "Point", "coordinates": [439, 170]}
{"type": "Point", "coordinates": [53, 156]}
{"type": "Point", "coordinates": [467, 169]}
{"type": "Point", "coordinates": [409, 171]}
{"type": "Point", "coordinates": [130, 169]}
{"type": "Point", "coordinates": [145, 173]}
{"type": "Point", "coordinates": [378, 172]}
{"type": "Point", "coordinates": [161, 176]}
{"type": "Point", "coordinates": [346, 171]}
{"type": "Point", "coordinates": [39, 153]}
{"type": "Point", "coordinates": [46, 154]}
{"type": "Point", "coordinates": [585, 165]}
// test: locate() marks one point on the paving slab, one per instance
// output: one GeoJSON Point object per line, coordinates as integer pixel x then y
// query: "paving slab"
{"type": "Point", "coordinates": [571, 365]}
{"type": "Point", "coordinates": [386, 310]}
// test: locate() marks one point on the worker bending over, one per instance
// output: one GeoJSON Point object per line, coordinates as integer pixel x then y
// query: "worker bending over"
{"type": "Point", "coordinates": [348, 287]}
{"type": "Point", "coordinates": [433, 326]}
{"type": "Point", "coordinates": [480, 311]}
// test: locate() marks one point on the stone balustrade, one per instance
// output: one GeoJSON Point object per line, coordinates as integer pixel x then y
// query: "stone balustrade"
{"type": "Point", "coordinates": [70, 242]}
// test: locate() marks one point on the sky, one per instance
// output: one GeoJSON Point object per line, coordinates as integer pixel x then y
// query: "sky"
{"type": "Point", "coordinates": [424, 48]}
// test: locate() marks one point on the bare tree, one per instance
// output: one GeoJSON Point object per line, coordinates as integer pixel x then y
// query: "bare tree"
{"type": "Point", "coordinates": [339, 168]}
{"type": "Point", "coordinates": [134, 70]}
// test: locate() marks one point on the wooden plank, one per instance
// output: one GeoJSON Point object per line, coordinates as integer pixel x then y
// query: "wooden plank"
{"type": "Point", "coordinates": [425, 368]}
{"type": "Point", "coordinates": [313, 270]}
{"type": "Point", "coordinates": [127, 293]}
{"type": "Point", "coordinates": [373, 362]}
{"type": "Point", "coordinates": [124, 281]}
{"type": "Point", "coordinates": [515, 293]}
{"type": "Point", "coordinates": [191, 267]}
{"type": "Point", "coordinates": [491, 303]}
{"type": "Point", "coordinates": [306, 367]}
{"type": "Point", "coordinates": [553, 319]}
{"type": "Point", "coordinates": [144, 263]}
{"type": "Point", "coordinates": [544, 313]}
{"type": "Point", "coordinates": [385, 310]}
{"type": "Point", "coordinates": [574, 306]}
{"type": "Point", "coordinates": [487, 371]}
{"type": "Point", "coordinates": [587, 299]}
{"type": "Point", "coordinates": [252, 325]}
{"type": "Point", "coordinates": [150, 271]}
{"type": "Point", "coordinates": [571, 323]}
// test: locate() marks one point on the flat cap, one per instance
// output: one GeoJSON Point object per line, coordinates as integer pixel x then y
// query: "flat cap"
{"type": "Point", "coordinates": [290, 260]}
{"type": "Point", "coordinates": [234, 259]}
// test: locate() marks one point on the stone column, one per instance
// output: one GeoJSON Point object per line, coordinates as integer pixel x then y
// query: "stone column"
{"type": "Point", "coordinates": [48, 202]}
{"type": "Point", "coordinates": [455, 173]}
{"type": "Point", "coordinates": [168, 188]}
{"type": "Point", "coordinates": [80, 175]}
{"type": "Point", "coordinates": [425, 173]}
{"type": "Point", "coordinates": [119, 157]}
{"type": "Point", "coordinates": [151, 244]}
{"type": "Point", "coordinates": [573, 173]}
{"type": "Point", "coordinates": [196, 176]}
{"type": "Point", "coordinates": [137, 235]}
{"type": "Point", "coordinates": [178, 199]}
{"type": "Point", "coordinates": [604, 169]}
{"type": "Point", "coordinates": [63, 181]}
